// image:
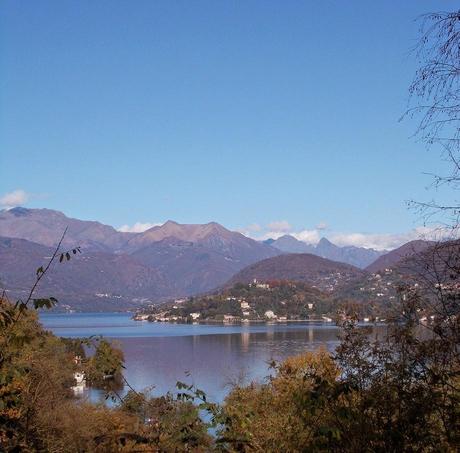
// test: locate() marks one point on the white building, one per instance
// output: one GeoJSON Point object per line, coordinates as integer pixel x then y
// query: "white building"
{"type": "Point", "coordinates": [260, 285]}
{"type": "Point", "coordinates": [195, 315]}
{"type": "Point", "coordinates": [244, 305]}
{"type": "Point", "coordinates": [230, 318]}
{"type": "Point", "coordinates": [270, 314]}
{"type": "Point", "coordinates": [140, 317]}
{"type": "Point", "coordinates": [80, 383]}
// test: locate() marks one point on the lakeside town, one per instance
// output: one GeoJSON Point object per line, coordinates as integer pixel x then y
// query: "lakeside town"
{"type": "Point", "coordinates": [257, 302]}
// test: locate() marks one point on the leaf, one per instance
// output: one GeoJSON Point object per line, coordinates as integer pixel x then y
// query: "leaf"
{"type": "Point", "coordinates": [61, 258]}
{"type": "Point", "coordinates": [181, 385]}
{"type": "Point", "coordinates": [39, 270]}
{"type": "Point", "coordinates": [67, 255]}
{"type": "Point", "coordinates": [44, 303]}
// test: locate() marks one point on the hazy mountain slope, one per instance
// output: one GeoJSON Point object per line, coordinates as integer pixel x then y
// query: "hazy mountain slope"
{"type": "Point", "coordinates": [390, 259]}
{"type": "Point", "coordinates": [83, 280]}
{"type": "Point", "coordinates": [190, 268]}
{"type": "Point", "coordinates": [184, 232]}
{"type": "Point", "coordinates": [289, 244]}
{"type": "Point", "coordinates": [211, 235]}
{"type": "Point", "coordinates": [45, 226]}
{"type": "Point", "coordinates": [197, 258]}
{"type": "Point", "coordinates": [165, 261]}
{"type": "Point", "coordinates": [311, 269]}
{"type": "Point", "coordinates": [356, 256]}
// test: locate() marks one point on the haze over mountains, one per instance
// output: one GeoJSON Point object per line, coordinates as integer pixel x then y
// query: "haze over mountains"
{"type": "Point", "coordinates": [91, 281]}
{"type": "Point", "coordinates": [357, 256]}
{"type": "Point", "coordinates": [119, 269]}
{"type": "Point", "coordinates": [167, 261]}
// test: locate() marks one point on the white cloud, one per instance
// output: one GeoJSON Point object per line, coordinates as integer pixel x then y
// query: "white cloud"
{"type": "Point", "coordinates": [273, 230]}
{"type": "Point", "coordinates": [250, 230]}
{"type": "Point", "coordinates": [322, 226]}
{"type": "Point", "coordinates": [279, 226]}
{"type": "Point", "coordinates": [138, 227]}
{"type": "Point", "coordinates": [377, 241]}
{"type": "Point", "coordinates": [254, 227]}
{"type": "Point", "coordinates": [15, 198]}
{"type": "Point", "coordinates": [308, 236]}
{"type": "Point", "coordinates": [391, 241]}
{"type": "Point", "coordinates": [270, 235]}
{"type": "Point", "coordinates": [374, 241]}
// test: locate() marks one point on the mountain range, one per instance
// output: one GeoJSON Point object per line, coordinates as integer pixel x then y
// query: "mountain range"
{"type": "Point", "coordinates": [119, 270]}
{"type": "Point", "coordinates": [356, 256]}
{"type": "Point", "coordinates": [171, 260]}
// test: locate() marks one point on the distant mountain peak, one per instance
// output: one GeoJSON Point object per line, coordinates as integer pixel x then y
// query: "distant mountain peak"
{"type": "Point", "coordinates": [356, 256]}
{"type": "Point", "coordinates": [325, 241]}
{"type": "Point", "coordinates": [18, 211]}
{"type": "Point", "coordinates": [169, 222]}
{"type": "Point", "coordinates": [45, 226]}
{"type": "Point", "coordinates": [214, 226]}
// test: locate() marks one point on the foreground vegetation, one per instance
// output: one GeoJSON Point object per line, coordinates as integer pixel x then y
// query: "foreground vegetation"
{"type": "Point", "coordinates": [38, 411]}
{"type": "Point", "coordinates": [395, 393]}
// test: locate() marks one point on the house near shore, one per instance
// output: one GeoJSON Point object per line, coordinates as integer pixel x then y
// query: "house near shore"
{"type": "Point", "coordinates": [80, 379]}
{"type": "Point", "coordinates": [244, 305]}
{"type": "Point", "coordinates": [231, 318]}
{"type": "Point", "coordinates": [269, 314]}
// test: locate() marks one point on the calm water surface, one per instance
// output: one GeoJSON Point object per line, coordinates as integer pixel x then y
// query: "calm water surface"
{"type": "Point", "coordinates": [210, 356]}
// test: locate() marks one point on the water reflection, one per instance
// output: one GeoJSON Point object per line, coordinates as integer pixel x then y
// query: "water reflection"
{"type": "Point", "coordinates": [211, 357]}
{"type": "Point", "coordinates": [214, 360]}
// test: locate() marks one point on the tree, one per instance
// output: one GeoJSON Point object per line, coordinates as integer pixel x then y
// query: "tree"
{"type": "Point", "coordinates": [435, 99]}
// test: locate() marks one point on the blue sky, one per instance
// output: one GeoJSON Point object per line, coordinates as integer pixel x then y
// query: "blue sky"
{"type": "Point", "coordinates": [244, 113]}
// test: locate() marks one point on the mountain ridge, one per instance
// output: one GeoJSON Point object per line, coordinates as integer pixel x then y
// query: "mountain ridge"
{"type": "Point", "coordinates": [307, 268]}
{"type": "Point", "coordinates": [392, 258]}
{"type": "Point", "coordinates": [165, 261]}
{"type": "Point", "coordinates": [179, 259]}
{"type": "Point", "coordinates": [357, 256]}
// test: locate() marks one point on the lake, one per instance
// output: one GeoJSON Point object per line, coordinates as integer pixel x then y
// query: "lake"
{"type": "Point", "coordinates": [210, 356]}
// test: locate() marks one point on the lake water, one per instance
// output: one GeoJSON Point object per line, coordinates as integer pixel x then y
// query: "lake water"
{"type": "Point", "coordinates": [210, 356]}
